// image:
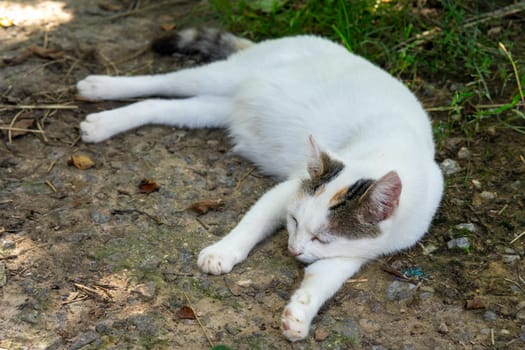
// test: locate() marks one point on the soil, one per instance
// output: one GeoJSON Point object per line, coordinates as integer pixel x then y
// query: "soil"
{"type": "Point", "coordinates": [88, 261]}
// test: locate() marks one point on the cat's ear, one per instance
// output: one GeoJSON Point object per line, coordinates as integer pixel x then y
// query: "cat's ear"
{"type": "Point", "coordinates": [319, 162]}
{"type": "Point", "coordinates": [382, 198]}
{"type": "Point", "coordinates": [315, 164]}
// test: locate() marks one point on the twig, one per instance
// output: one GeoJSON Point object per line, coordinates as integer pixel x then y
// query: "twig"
{"type": "Point", "coordinates": [198, 320]}
{"type": "Point", "coordinates": [241, 180]}
{"type": "Point", "coordinates": [51, 186]}
{"type": "Point", "coordinates": [13, 121]}
{"type": "Point", "coordinates": [41, 128]}
{"type": "Point", "coordinates": [57, 106]}
{"type": "Point", "coordinates": [492, 342]}
{"type": "Point", "coordinates": [358, 280]}
{"type": "Point", "coordinates": [128, 211]}
{"type": "Point", "coordinates": [516, 74]}
{"type": "Point", "coordinates": [51, 166]}
{"type": "Point", "coordinates": [517, 237]}
{"type": "Point", "coordinates": [21, 129]}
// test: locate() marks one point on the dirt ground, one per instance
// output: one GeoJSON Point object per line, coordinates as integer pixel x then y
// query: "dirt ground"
{"type": "Point", "coordinates": [87, 261]}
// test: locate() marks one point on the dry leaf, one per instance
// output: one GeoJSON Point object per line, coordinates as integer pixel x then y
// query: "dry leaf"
{"type": "Point", "coordinates": [202, 207]}
{"type": "Point", "coordinates": [474, 304]}
{"type": "Point", "coordinates": [43, 52]}
{"type": "Point", "coordinates": [6, 22]}
{"type": "Point", "coordinates": [167, 27]}
{"type": "Point", "coordinates": [148, 186]}
{"type": "Point", "coordinates": [39, 51]}
{"type": "Point", "coordinates": [185, 313]}
{"type": "Point", "coordinates": [109, 6]}
{"type": "Point", "coordinates": [81, 162]}
{"type": "Point", "coordinates": [22, 124]}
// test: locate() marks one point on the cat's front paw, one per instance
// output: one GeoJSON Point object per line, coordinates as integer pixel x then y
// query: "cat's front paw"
{"type": "Point", "coordinates": [296, 318]}
{"type": "Point", "coordinates": [218, 259]}
{"type": "Point", "coordinates": [95, 128]}
{"type": "Point", "coordinates": [96, 87]}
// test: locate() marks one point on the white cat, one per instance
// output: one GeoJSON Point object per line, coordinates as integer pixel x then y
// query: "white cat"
{"type": "Point", "coordinates": [351, 143]}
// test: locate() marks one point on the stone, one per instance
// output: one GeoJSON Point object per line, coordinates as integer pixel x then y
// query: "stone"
{"type": "Point", "coordinates": [83, 340]}
{"type": "Point", "coordinates": [487, 195]}
{"type": "Point", "coordinates": [399, 291]}
{"type": "Point", "coordinates": [510, 259]}
{"type": "Point", "coordinates": [104, 326]}
{"type": "Point", "coordinates": [146, 291]}
{"type": "Point", "coordinates": [443, 329]}
{"type": "Point", "coordinates": [460, 242]}
{"type": "Point", "coordinates": [8, 244]}
{"type": "Point", "coordinates": [450, 167]}
{"type": "Point", "coordinates": [321, 334]}
{"type": "Point", "coordinates": [490, 315]}
{"type": "Point", "coordinates": [369, 326]}
{"type": "Point", "coordinates": [463, 153]}
{"type": "Point", "coordinates": [520, 315]}
{"type": "Point", "coordinates": [468, 226]}
{"type": "Point", "coordinates": [3, 275]}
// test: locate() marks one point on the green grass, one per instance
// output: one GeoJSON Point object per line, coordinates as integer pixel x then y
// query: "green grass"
{"type": "Point", "coordinates": [449, 44]}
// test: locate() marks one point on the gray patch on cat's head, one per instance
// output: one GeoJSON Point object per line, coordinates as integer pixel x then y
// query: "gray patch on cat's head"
{"type": "Point", "coordinates": [329, 169]}
{"type": "Point", "coordinates": [348, 215]}
{"type": "Point", "coordinates": [357, 211]}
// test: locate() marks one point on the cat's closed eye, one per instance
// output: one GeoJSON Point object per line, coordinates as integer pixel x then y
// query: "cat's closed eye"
{"type": "Point", "coordinates": [317, 239]}
{"type": "Point", "coordinates": [294, 220]}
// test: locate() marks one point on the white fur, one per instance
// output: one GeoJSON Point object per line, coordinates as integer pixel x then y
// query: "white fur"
{"type": "Point", "coordinates": [271, 97]}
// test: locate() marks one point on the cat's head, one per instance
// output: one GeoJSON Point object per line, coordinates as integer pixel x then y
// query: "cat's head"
{"type": "Point", "coordinates": [331, 206]}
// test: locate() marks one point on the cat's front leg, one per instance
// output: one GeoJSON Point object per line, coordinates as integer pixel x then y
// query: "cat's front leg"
{"type": "Point", "coordinates": [263, 218]}
{"type": "Point", "coordinates": [321, 281]}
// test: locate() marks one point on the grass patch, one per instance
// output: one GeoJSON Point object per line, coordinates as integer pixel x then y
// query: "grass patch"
{"type": "Point", "coordinates": [463, 47]}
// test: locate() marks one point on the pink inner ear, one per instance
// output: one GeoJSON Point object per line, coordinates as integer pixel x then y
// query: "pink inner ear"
{"type": "Point", "coordinates": [385, 195]}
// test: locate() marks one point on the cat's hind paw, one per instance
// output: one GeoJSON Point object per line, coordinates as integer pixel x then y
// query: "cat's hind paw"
{"type": "Point", "coordinates": [217, 260]}
{"type": "Point", "coordinates": [98, 87]}
{"type": "Point", "coordinates": [295, 321]}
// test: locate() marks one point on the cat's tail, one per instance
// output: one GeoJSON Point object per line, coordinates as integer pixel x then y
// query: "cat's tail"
{"type": "Point", "coordinates": [211, 43]}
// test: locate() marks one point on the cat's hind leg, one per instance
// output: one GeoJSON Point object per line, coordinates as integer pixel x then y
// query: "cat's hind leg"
{"type": "Point", "coordinates": [263, 218]}
{"type": "Point", "coordinates": [218, 78]}
{"type": "Point", "coordinates": [194, 112]}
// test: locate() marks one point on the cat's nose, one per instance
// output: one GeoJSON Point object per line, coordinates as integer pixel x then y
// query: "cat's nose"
{"type": "Point", "coordinates": [293, 252]}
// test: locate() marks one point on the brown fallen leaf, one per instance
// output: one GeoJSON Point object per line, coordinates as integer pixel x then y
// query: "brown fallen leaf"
{"type": "Point", "coordinates": [185, 313]}
{"type": "Point", "coordinates": [167, 27]}
{"type": "Point", "coordinates": [44, 52]}
{"type": "Point", "coordinates": [39, 51]}
{"type": "Point", "coordinates": [81, 162]}
{"type": "Point", "coordinates": [148, 186]}
{"type": "Point", "coordinates": [22, 124]}
{"type": "Point", "coordinates": [103, 5]}
{"type": "Point", "coordinates": [202, 207]}
{"type": "Point", "coordinates": [474, 304]}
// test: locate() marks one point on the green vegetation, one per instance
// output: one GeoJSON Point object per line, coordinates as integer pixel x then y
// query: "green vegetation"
{"type": "Point", "coordinates": [460, 56]}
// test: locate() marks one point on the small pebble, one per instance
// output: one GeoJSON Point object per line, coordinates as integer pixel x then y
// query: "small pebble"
{"type": "Point", "coordinates": [463, 153]}
{"type": "Point", "coordinates": [476, 184]}
{"type": "Point", "coordinates": [321, 334]}
{"type": "Point", "coordinates": [520, 315]}
{"type": "Point", "coordinates": [449, 167]}
{"type": "Point", "coordinates": [461, 243]}
{"type": "Point", "coordinates": [490, 315]}
{"type": "Point", "coordinates": [510, 259]}
{"type": "Point", "coordinates": [398, 290]}
{"type": "Point", "coordinates": [8, 244]}
{"type": "Point", "coordinates": [443, 329]}
{"type": "Point", "coordinates": [3, 275]}
{"type": "Point", "coordinates": [470, 227]}
{"type": "Point", "coordinates": [488, 195]}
